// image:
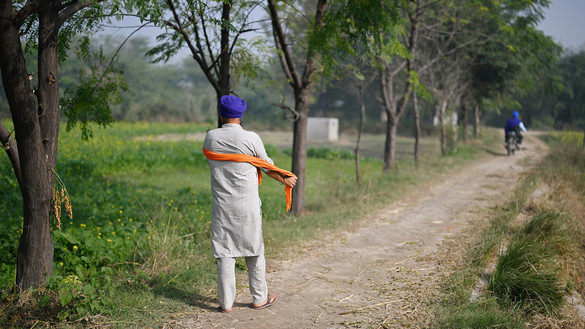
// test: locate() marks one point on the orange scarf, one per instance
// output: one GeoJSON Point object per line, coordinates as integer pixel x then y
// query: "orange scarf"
{"type": "Point", "coordinates": [258, 163]}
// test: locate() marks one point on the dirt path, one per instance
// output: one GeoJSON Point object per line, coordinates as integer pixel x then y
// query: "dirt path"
{"type": "Point", "coordinates": [386, 270]}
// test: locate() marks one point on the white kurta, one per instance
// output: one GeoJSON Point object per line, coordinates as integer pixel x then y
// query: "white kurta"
{"type": "Point", "coordinates": [236, 216]}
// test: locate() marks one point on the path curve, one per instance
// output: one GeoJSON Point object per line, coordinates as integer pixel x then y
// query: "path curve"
{"type": "Point", "coordinates": [385, 270]}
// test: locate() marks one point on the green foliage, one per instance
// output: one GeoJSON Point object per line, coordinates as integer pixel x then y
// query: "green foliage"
{"type": "Point", "coordinates": [328, 153]}
{"type": "Point", "coordinates": [357, 28]}
{"type": "Point", "coordinates": [514, 57]}
{"type": "Point", "coordinates": [92, 99]}
{"type": "Point", "coordinates": [559, 100]}
{"type": "Point", "coordinates": [11, 210]}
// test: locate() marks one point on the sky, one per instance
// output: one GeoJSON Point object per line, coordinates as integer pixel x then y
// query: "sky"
{"type": "Point", "coordinates": [565, 23]}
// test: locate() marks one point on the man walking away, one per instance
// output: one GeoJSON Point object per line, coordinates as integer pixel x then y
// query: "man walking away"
{"type": "Point", "coordinates": [237, 158]}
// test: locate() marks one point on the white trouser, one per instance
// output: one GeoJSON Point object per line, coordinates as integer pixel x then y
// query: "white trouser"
{"type": "Point", "coordinates": [226, 280]}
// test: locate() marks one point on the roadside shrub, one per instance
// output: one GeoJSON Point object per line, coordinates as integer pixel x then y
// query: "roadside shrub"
{"type": "Point", "coordinates": [529, 274]}
{"type": "Point", "coordinates": [328, 153]}
{"type": "Point", "coordinates": [520, 280]}
{"type": "Point", "coordinates": [480, 315]}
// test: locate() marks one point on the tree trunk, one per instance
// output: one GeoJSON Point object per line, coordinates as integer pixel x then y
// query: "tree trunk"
{"type": "Point", "coordinates": [224, 57]}
{"type": "Point", "coordinates": [35, 251]}
{"type": "Point", "coordinates": [416, 128]}
{"type": "Point", "coordinates": [476, 121]}
{"type": "Point", "coordinates": [443, 128]}
{"type": "Point", "coordinates": [454, 129]}
{"type": "Point", "coordinates": [464, 118]}
{"type": "Point", "coordinates": [302, 88]}
{"type": "Point", "coordinates": [36, 140]}
{"type": "Point", "coordinates": [360, 130]}
{"type": "Point", "coordinates": [395, 110]}
{"type": "Point", "coordinates": [390, 144]}
{"type": "Point", "coordinates": [299, 156]}
{"type": "Point", "coordinates": [386, 84]}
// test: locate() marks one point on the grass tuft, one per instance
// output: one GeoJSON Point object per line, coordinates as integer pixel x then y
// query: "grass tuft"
{"type": "Point", "coordinates": [523, 279]}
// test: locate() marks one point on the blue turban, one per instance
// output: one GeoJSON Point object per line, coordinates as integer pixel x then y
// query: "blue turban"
{"type": "Point", "coordinates": [231, 106]}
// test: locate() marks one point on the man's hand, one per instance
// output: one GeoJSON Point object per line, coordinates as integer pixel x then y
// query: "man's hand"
{"type": "Point", "coordinates": [290, 181]}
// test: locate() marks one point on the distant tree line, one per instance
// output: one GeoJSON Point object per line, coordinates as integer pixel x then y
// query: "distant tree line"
{"type": "Point", "coordinates": [178, 92]}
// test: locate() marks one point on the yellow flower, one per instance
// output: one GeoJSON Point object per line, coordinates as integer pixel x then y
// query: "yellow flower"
{"type": "Point", "coordinates": [82, 225]}
{"type": "Point", "coordinates": [61, 263]}
{"type": "Point", "coordinates": [109, 240]}
{"type": "Point", "coordinates": [75, 248]}
{"type": "Point", "coordinates": [72, 279]}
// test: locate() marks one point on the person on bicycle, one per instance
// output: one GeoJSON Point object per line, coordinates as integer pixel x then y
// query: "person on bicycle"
{"type": "Point", "coordinates": [515, 124]}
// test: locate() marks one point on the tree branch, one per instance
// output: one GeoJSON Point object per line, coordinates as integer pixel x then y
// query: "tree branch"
{"type": "Point", "coordinates": [72, 8]}
{"type": "Point", "coordinates": [67, 4]}
{"type": "Point", "coordinates": [29, 8]}
{"type": "Point", "coordinates": [9, 145]}
{"type": "Point", "coordinates": [208, 44]}
{"type": "Point", "coordinates": [197, 52]}
{"type": "Point", "coordinates": [310, 66]}
{"type": "Point", "coordinates": [282, 105]}
{"type": "Point", "coordinates": [285, 55]}
{"type": "Point", "coordinates": [242, 30]}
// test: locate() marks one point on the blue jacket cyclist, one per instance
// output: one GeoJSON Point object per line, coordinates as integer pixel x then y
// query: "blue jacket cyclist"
{"type": "Point", "coordinates": [515, 124]}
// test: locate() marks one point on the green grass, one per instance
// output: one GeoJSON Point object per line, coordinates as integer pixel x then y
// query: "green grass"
{"type": "Point", "coordinates": [542, 261]}
{"type": "Point", "coordinates": [484, 314]}
{"type": "Point", "coordinates": [137, 247]}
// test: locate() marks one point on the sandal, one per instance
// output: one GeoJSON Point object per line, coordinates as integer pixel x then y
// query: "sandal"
{"type": "Point", "coordinates": [220, 309]}
{"type": "Point", "coordinates": [269, 301]}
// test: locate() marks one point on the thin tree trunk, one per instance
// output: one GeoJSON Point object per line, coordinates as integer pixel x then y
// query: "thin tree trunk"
{"type": "Point", "coordinates": [224, 57]}
{"type": "Point", "coordinates": [390, 144]}
{"type": "Point", "coordinates": [464, 118]}
{"type": "Point", "coordinates": [454, 129]}
{"type": "Point", "coordinates": [443, 128]}
{"type": "Point", "coordinates": [360, 130]}
{"type": "Point", "coordinates": [416, 129]}
{"type": "Point", "coordinates": [476, 121]}
{"type": "Point", "coordinates": [386, 84]}
{"type": "Point", "coordinates": [299, 156]}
